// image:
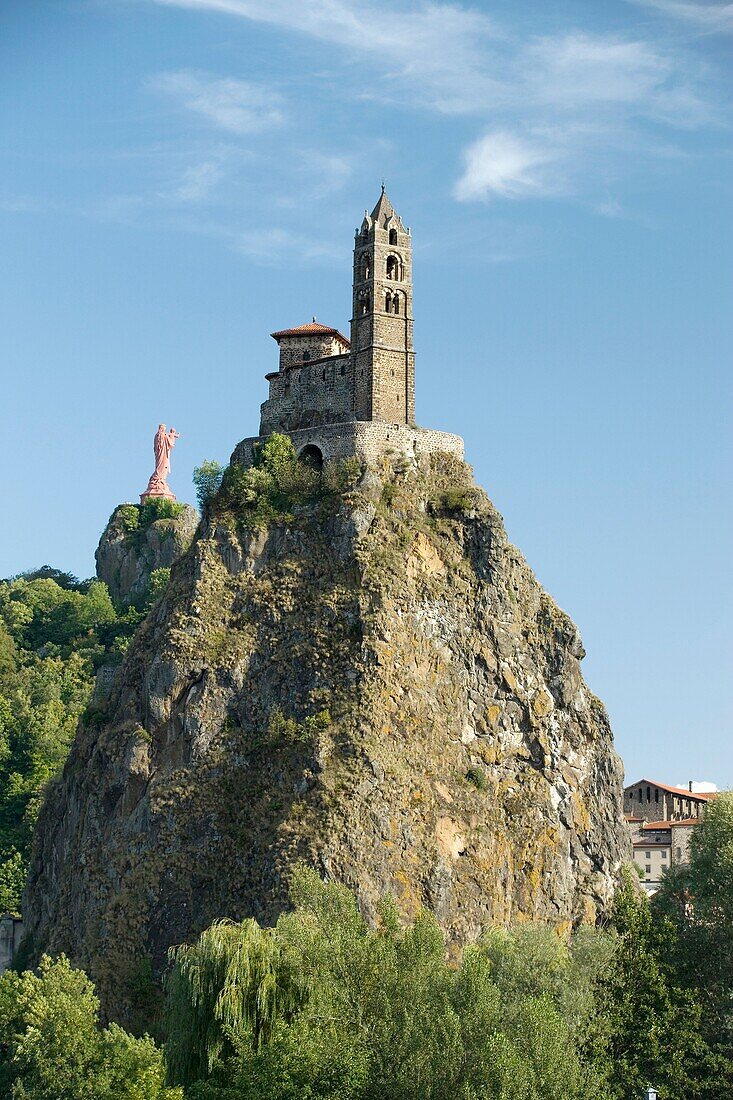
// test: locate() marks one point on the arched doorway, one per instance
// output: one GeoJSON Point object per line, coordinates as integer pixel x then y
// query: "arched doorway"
{"type": "Point", "coordinates": [311, 456]}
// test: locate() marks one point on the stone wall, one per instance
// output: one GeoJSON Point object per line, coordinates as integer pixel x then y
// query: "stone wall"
{"type": "Point", "coordinates": [367, 439]}
{"type": "Point", "coordinates": [11, 932]}
{"type": "Point", "coordinates": [319, 392]}
{"type": "Point", "coordinates": [656, 802]}
{"type": "Point", "coordinates": [298, 349]}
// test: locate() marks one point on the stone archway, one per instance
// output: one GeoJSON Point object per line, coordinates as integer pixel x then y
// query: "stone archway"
{"type": "Point", "coordinates": [311, 456]}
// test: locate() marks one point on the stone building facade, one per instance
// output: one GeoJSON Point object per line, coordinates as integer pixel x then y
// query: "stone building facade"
{"type": "Point", "coordinates": [653, 801]}
{"type": "Point", "coordinates": [661, 820]}
{"type": "Point", "coordinates": [337, 397]}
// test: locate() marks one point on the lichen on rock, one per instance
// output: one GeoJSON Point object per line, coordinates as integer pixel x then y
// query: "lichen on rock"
{"type": "Point", "coordinates": [376, 685]}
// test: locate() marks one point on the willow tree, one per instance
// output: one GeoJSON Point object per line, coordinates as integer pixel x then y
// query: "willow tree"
{"type": "Point", "coordinates": [225, 993]}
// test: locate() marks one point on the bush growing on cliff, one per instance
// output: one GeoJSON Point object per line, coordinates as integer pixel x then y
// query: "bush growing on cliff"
{"type": "Point", "coordinates": [207, 479]}
{"type": "Point", "coordinates": [324, 1006]}
{"type": "Point", "coordinates": [52, 1047]}
{"type": "Point", "coordinates": [279, 483]}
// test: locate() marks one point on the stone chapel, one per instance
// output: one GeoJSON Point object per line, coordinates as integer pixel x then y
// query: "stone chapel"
{"type": "Point", "coordinates": [336, 397]}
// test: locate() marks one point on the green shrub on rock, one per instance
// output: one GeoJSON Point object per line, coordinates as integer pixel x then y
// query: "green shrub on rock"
{"type": "Point", "coordinates": [279, 484]}
{"type": "Point", "coordinates": [207, 479]}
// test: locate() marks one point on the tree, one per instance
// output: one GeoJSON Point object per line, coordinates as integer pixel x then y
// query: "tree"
{"type": "Point", "coordinates": [649, 1025]}
{"type": "Point", "coordinates": [207, 479]}
{"type": "Point", "coordinates": [325, 1006]}
{"type": "Point", "coordinates": [697, 900]}
{"type": "Point", "coordinates": [52, 1048]}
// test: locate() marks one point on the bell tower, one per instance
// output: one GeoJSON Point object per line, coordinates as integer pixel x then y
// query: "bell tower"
{"type": "Point", "coordinates": [382, 352]}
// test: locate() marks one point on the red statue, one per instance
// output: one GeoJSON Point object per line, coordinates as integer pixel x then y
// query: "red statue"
{"type": "Point", "coordinates": [162, 445]}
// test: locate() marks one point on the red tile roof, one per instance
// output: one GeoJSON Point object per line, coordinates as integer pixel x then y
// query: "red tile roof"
{"type": "Point", "coordinates": [704, 795]}
{"type": "Point", "coordinates": [313, 328]}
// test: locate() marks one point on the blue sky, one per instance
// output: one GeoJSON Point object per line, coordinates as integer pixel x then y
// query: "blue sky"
{"type": "Point", "coordinates": [182, 177]}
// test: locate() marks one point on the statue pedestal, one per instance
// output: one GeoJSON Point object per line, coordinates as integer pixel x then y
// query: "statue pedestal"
{"type": "Point", "coordinates": [157, 488]}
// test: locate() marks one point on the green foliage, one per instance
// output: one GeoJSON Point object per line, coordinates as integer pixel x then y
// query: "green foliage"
{"type": "Point", "coordinates": [275, 453]}
{"type": "Point", "coordinates": [697, 901]}
{"type": "Point", "coordinates": [389, 491]}
{"type": "Point", "coordinates": [454, 500]}
{"type": "Point", "coordinates": [324, 1006]}
{"type": "Point", "coordinates": [281, 728]}
{"type": "Point", "coordinates": [54, 632]}
{"type": "Point", "coordinates": [127, 517]}
{"type": "Point", "coordinates": [157, 585]}
{"type": "Point", "coordinates": [41, 700]}
{"type": "Point", "coordinates": [13, 871]}
{"type": "Point", "coordinates": [278, 485]}
{"type": "Point", "coordinates": [477, 777]}
{"type": "Point", "coordinates": [156, 508]}
{"type": "Point", "coordinates": [650, 1025]}
{"type": "Point", "coordinates": [40, 613]}
{"type": "Point", "coordinates": [52, 1048]}
{"type": "Point", "coordinates": [342, 474]}
{"type": "Point", "coordinates": [207, 479]}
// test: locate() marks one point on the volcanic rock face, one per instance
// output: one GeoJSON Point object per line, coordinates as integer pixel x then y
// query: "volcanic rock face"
{"type": "Point", "coordinates": [128, 553]}
{"type": "Point", "coordinates": [379, 687]}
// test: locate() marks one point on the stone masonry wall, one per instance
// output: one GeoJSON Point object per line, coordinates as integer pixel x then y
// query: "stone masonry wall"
{"type": "Point", "coordinates": [319, 392]}
{"type": "Point", "coordinates": [367, 439]}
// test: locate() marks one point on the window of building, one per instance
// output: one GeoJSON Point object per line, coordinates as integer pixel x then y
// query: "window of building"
{"type": "Point", "coordinates": [648, 868]}
{"type": "Point", "coordinates": [656, 794]}
{"type": "Point", "coordinates": [648, 794]}
{"type": "Point", "coordinates": [388, 301]}
{"type": "Point", "coordinates": [663, 854]}
{"type": "Point", "coordinates": [343, 369]}
{"type": "Point", "coordinates": [679, 853]}
{"type": "Point", "coordinates": [306, 356]}
{"type": "Point", "coordinates": [647, 855]}
{"type": "Point", "coordinates": [396, 304]}
{"type": "Point", "coordinates": [393, 268]}
{"type": "Point", "coordinates": [393, 236]}
{"type": "Point", "coordinates": [366, 268]}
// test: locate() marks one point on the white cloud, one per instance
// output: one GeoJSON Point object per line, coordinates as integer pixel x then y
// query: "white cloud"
{"type": "Point", "coordinates": [581, 71]}
{"type": "Point", "coordinates": [557, 110]}
{"type": "Point", "coordinates": [504, 164]}
{"type": "Point", "coordinates": [271, 245]}
{"type": "Point", "coordinates": [433, 49]}
{"type": "Point", "coordinates": [235, 105]}
{"type": "Point", "coordinates": [198, 181]}
{"type": "Point", "coordinates": [709, 17]}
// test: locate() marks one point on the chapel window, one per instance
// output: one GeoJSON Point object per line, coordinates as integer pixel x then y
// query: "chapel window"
{"type": "Point", "coordinates": [396, 304]}
{"type": "Point", "coordinates": [392, 267]}
{"type": "Point", "coordinates": [388, 301]}
{"type": "Point", "coordinates": [393, 236]}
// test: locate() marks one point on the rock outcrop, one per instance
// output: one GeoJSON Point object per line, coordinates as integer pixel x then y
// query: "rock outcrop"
{"type": "Point", "coordinates": [378, 686]}
{"type": "Point", "coordinates": [135, 543]}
